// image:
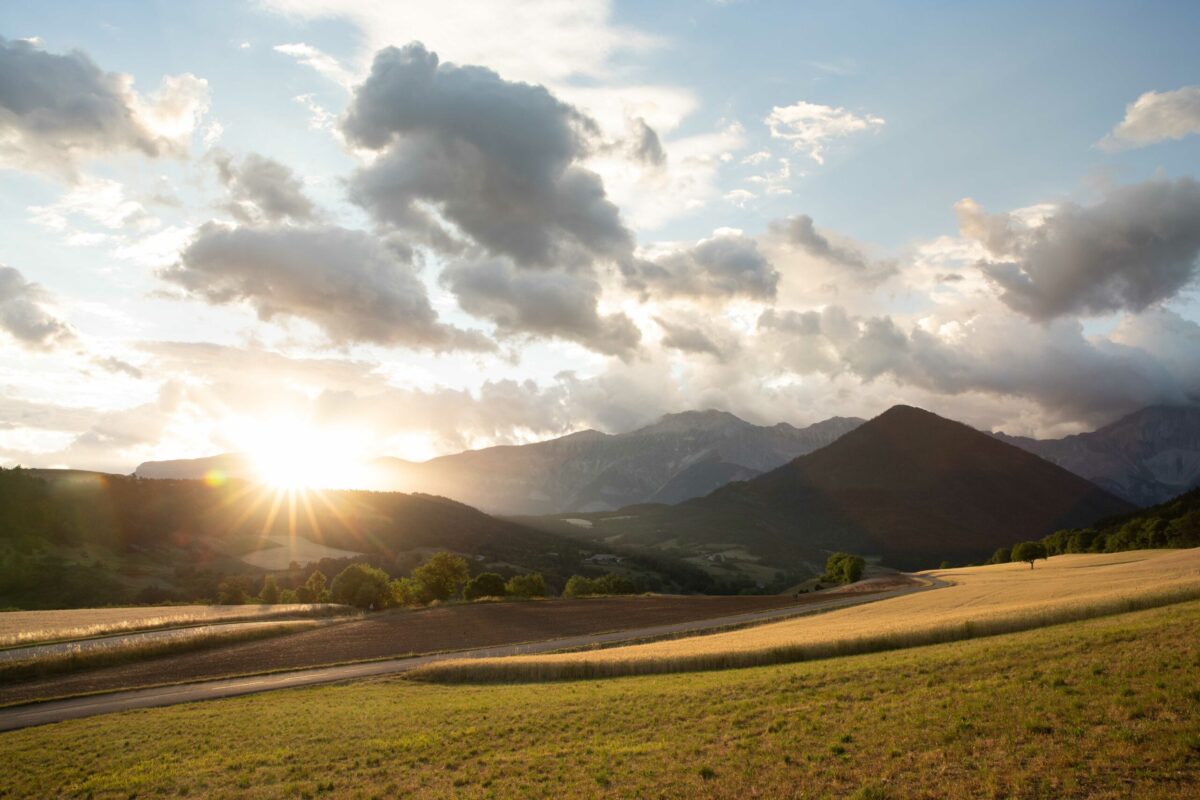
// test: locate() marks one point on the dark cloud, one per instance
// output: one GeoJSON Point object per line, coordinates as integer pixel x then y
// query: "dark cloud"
{"type": "Point", "coordinates": [645, 146]}
{"type": "Point", "coordinates": [799, 232]}
{"type": "Point", "coordinates": [689, 338]}
{"type": "Point", "coordinates": [116, 365]}
{"type": "Point", "coordinates": [22, 314]}
{"type": "Point", "coordinates": [54, 108]}
{"type": "Point", "coordinates": [725, 266]}
{"type": "Point", "coordinates": [1135, 248]}
{"type": "Point", "coordinates": [349, 283]}
{"type": "Point", "coordinates": [262, 188]}
{"type": "Point", "coordinates": [545, 303]}
{"type": "Point", "coordinates": [497, 160]}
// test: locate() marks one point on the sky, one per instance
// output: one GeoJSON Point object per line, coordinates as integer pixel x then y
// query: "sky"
{"type": "Point", "coordinates": [414, 228]}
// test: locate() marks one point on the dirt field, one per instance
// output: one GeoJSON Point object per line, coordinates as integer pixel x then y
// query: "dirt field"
{"type": "Point", "coordinates": [401, 633]}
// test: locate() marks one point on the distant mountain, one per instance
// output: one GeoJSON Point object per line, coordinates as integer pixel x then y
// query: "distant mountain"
{"type": "Point", "coordinates": [908, 487]}
{"type": "Point", "coordinates": [1146, 458]}
{"type": "Point", "coordinates": [679, 457]}
{"type": "Point", "coordinates": [232, 465]}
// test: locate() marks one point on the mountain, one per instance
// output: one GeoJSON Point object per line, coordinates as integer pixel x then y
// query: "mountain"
{"type": "Point", "coordinates": [679, 457]}
{"type": "Point", "coordinates": [70, 538]}
{"type": "Point", "coordinates": [1147, 457]}
{"type": "Point", "coordinates": [908, 487]}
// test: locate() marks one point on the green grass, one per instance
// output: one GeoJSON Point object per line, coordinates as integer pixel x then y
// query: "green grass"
{"type": "Point", "coordinates": [1102, 708]}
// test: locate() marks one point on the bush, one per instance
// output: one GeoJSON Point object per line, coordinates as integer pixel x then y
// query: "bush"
{"type": "Point", "coordinates": [579, 586]}
{"type": "Point", "coordinates": [1002, 556]}
{"type": "Point", "coordinates": [531, 585]}
{"type": "Point", "coordinates": [611, 583]}
{"type": "Point", "coordinates": [485, 584]}
{"type": "Point", "coordinates": [442, 575]}
{"type": "Point", "coordinates": [408, 592]}
{"type": "Point", "coordinates": [363, 586]}
{"type": "Point", "coordinates": [844, 568]}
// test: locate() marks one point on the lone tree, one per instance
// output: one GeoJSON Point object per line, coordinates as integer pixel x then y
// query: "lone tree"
{"type": "Point", "coordinates": [1029, 551]}
{"type": "Point", "coordinates": [844, 568]}
{"type": "Point", "coordinates": [442, 575]}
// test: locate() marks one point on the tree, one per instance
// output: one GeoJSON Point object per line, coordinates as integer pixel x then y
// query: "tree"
{"type": "Point", "coordinates": [287, 596]}
{"type": "Point", "coordinates": [407, 592]}
{"type": "Point", "coordinates": [579, 586]}
{"type": "Point", "coordinates": [270, 591]}
{"type": "Point", "coordinates": [363, 586]}
{"type": "Point", "coordinates": [485, 584]}
{"type": "Point", "coordinates": [313, 590]}
{"type": "Point", "coordinates": [442, 575]}
{"type": "Point", "coordinates": [612, 583]}
{"type": "Point", "coordinates": [531, 585]}
{"type": "Point", "coordinates": [1029, 551]}
{"type": "Point", "coordinates": [1002, 556]}
{"type": "Point", "coordinates": [844, 568]}
{"type": "Point", "coordinates": [235, 590]}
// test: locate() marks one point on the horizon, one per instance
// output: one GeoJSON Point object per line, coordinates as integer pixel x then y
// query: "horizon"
{"type": "Point", "coordinates": [593, 218]}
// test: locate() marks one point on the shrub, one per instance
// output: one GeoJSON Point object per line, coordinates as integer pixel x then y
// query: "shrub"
{"type": "Point", "coordinates": [408, 592]}
{"type": "Point", "coordinates": [843, 568]}
{"type": "Point", "coordinates": [442, 575]}
{"type": "Point", "coordinates": [579, 586]}
{"type": "Point", "coordinates": [531, 585]}
{"type": "Point", "coordinates": [363, 586]}
{"type": "Point", "coordinates": [485, 584]}
{"type": "Point", "coordinates": [1002, 556]}
{"type": "Point", "coordinates": [611, 583]}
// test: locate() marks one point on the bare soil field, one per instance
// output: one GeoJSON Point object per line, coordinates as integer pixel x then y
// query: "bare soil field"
{"type": "Point", "coordinates": [399, 633]}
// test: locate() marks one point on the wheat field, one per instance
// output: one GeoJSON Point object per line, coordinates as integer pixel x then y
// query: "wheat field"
{"type": "Point", "coordinates": [981, 601]}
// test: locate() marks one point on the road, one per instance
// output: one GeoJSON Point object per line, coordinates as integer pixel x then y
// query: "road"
{"type": "Point", "coordinates": [43, 713]}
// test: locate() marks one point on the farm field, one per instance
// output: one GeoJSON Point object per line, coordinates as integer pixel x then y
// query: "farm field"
{"type": "Point", "coordinates": [18, 628]}
{"type": "Point", "coordinates": [397, 633]}
{"type": "Point", "coordinates": [981, 601]}
{"type": "Point", "coordinates": [1096, 709]}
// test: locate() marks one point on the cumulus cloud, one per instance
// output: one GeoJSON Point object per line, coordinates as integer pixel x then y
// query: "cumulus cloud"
{"type": "Point", "coordinates": [810, 127]}
{"type": "Point", "coordinates": [496, 160]}
{"type": "Point", "coordinates": [799, 232]}
{"type": "Point", "coordinates": [56, 109]}
{"type": "Point", "coordinates": [1156, 117]}
{"type": "Point", "coordinates": [261, 188]}
{"type": "Point", "coordinates": [725, 266]}
{"type": "Point", "coordinates": [691, 333]}
{"type": "Point", "coordinates": [551, 303]}
{"type": "Point", "coordinates": [1135, 248]}
{"type": "Point", "coordinates": [351, 285]}
{"type": "Point", "coordinates": [23, 314]}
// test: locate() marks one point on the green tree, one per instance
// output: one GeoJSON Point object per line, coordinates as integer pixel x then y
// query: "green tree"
{"type": "Point", "coordinates": [288, 596]}
{"type": "Point", "coordinates": [613, 583]}
{"type": "Point", "coordinates": [844, 568]}
{"type": "Point", "coordinates": [485, 584]}
{"type": "Point", "coordinates": [1029, 551]}
{"type": "Point", "coordinates": [270, 591]}
{"type": "Point", "coordinates": [313, 590]}
{"type": "Point", "coordinates": [531, 585]}
{"type": "Point", "coordinates": [579, 586]}
{"type": "Point", "coordinates": [363, 586]}
{"type": "Point", "coordinates": [1002, 556]}
{"type": "Point", "coordinates": [234, 591]}
{"type": "Point", "coordinates": [408, 592]}
{"type": "Point", "coordinates": [442, 575]}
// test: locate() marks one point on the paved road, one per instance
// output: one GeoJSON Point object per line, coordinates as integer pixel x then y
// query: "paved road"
{"type": "Point", "coordinates": [29, 715]}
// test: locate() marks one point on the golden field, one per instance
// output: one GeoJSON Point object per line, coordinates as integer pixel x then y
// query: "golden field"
{"type": "Point", "coordinates": [980, 601]}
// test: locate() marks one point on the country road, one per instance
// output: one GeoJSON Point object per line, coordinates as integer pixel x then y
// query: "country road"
{"type": "Point", "coordinates": [42, 713]}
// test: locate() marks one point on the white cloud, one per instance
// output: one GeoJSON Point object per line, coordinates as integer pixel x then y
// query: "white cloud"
{"type": "Point", "coordinates": [1156, 117]}
{"type": "Point", "coordinates": [322, 62]}
{"type": "Point", "coordinates": [811, 126]}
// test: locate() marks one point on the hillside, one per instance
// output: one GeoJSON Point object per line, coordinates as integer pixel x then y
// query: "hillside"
{"type": "Point", "coordinates": [1146, 457]}
{"type": "Point", "coordinates": [908, 487]}
{"type": "Point", "coordinates": [69, 538]}
{"type": "Point", "coordinates": [1175, 523]}
{"type": "Point", "coordinates": [679, 457]}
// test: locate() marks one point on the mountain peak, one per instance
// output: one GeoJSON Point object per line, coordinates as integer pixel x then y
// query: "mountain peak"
{"type": "Point", "coordinates": [708, 419]}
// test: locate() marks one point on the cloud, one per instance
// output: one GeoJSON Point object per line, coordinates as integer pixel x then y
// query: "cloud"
{"type": "Point", "coordinates": [57, 109]}
{"type": "Point", "coordinates": [322, 62]}
{"type": "Point", "coordinates": [350, 284]}
{"type": "Point", "coordinates": [811, 126]}
{"type": "Point", "coordinates": [799, 231]}
{"type": "Point", "coordinates": [691, 333]}
{"type": "Point", "coordinates": [496, 160]}
{"type": "Point", "coordinates": [23, 315]}
{"type": "Point", "coordinates": [725, 266]}
{"type": "Point", "coordinates": [551, 303]}
{"type": "Point", "coordinates": [98, 200]}
{"type": "Point", "coordinates": [261, 188]}
{"type": "Point", "coordinates": [1135, 248]}
{"type": "Point", "coordinates": [644, 145]}
{"type": "Point", "coordinates": [1156, 117]}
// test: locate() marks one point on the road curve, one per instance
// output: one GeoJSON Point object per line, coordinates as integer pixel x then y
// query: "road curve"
{"type": "Point", "coordinates": [43, 713]}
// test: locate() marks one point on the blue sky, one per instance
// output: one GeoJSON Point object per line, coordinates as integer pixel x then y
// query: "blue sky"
{"type": "Point", "coordinates": [801, 246]}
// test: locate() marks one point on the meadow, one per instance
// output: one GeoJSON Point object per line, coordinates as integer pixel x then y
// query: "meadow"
{"type": "Point", "coordinates": [20, 628]}
{"type": "Point", "coordinates": [981, 601]}
{"type": "Point", "coordinates": [1103, 708]}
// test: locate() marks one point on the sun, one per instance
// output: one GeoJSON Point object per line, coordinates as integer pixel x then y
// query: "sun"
{"type": "Point", "coordinates": [290, 454]}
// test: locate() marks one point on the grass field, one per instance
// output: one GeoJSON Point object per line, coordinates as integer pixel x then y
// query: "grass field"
{"type": "Point", "coordinates": [1104, 708]}
{"type": "Point", "coordinates": [983, 601]}
{"type": "Point", "coordinates": [19, 628]}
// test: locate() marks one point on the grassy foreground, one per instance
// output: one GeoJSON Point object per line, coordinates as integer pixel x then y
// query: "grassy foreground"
{"type": "Point", "coordinates": [1102, 708]}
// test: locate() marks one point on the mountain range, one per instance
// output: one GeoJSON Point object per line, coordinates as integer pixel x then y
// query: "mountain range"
{"type": "Point", "coordinates": [908, 487]}
{"type": "Point", "coordinates": [679, 457]}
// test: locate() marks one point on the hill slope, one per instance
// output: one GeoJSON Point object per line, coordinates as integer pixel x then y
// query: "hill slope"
{"type": "Point", "coordinates": [1146, 457]}
{"type": "Point", "coordinates": [908, 487]}
{"type": "Point", "coordinates": [679, 457]}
